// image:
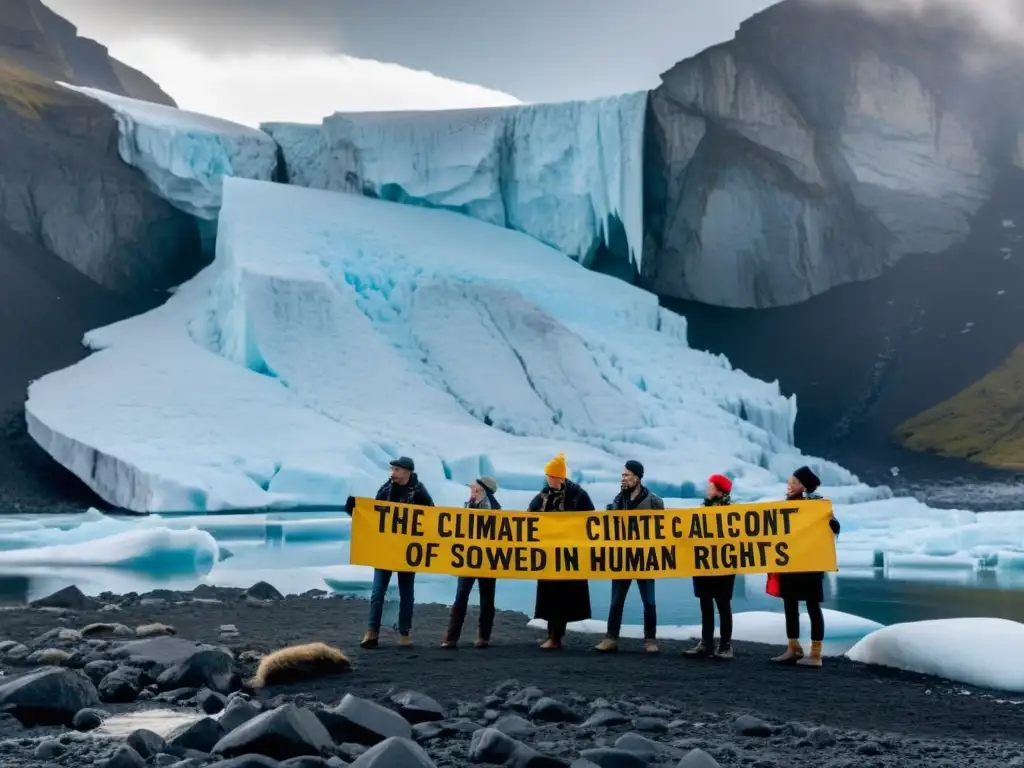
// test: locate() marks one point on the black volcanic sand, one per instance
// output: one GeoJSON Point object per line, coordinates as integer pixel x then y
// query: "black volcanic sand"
{"type": "Point", "coordinates": [843, 715]}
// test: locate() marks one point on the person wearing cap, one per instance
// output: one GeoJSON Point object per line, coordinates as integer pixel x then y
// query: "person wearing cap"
{"type": "Point", "coordinates": [806, 587]}
{"type": "Point", "coordinates": [714, 591]}
{"type": "Point", "coordinates": [633, 494]}
{"type": "Point", "coordinates": [404, 487]}
{"type": "Point", "coordinates": [560, 601]}
{"type": "Point", "coordinates": [481, 496]}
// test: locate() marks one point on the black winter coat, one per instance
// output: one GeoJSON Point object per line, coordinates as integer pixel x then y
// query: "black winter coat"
{"type": "Point", "coordinates": [413, 492]}
{"type": "Point", "coordinates": [715, 587]}
{"type": "Point", "coordinates": [807, 586]}
{"type": "Point", "coordinates": [562, 601]}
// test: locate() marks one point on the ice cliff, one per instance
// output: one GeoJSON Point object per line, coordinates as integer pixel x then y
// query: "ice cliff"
{"type": "Point", "coordinates": [334, 332]}
{"type": "Point", "coordinates": [569, 174]}
{"type": "Point", "coordinates": [185, 155]}
{"type": "Point", "coordinates": [816, 148]}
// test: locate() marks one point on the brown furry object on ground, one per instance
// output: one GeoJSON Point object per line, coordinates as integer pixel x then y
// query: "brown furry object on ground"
{"type": "Point", "coordinates": [297, 663]}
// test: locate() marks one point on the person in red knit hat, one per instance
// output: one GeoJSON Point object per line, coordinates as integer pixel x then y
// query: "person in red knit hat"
{"type": "Point", "coordinates": [715, 590]}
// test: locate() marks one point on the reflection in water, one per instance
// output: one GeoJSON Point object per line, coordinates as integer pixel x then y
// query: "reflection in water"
{"type": "Point", "coordinates": [159, 721]}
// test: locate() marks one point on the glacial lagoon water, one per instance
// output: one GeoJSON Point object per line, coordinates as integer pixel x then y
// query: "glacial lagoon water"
{"type": "Point", "coordinates": [299, 551]}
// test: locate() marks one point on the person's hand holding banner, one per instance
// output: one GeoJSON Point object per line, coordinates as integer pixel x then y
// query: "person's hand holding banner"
{"type": "Point", "coordinates": [776, 537]}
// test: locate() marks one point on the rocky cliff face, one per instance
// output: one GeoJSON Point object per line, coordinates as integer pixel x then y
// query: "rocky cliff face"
{"type": "Point", "coordinates": [819, 147]}
{"type": "Point", "coordinates": [37, 39]}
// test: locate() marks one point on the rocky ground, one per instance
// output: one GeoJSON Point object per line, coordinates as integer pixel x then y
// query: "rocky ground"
{"type": "Point", "coordinates": [72, 663]}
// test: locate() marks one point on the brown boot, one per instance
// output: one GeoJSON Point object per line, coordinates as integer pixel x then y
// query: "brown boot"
{"type": "Point", "coordinates": [608, 645]}
{"type": "Point", "coordinates": [651, 645]}
{"type": "Point", "coordinates": [794, 652]}
{"type": "Point", "coordinates": [700, 649]}
{"type": "Point", "coordinates": [370, 639]}
{"type": "Point", "coordinates": [814, 660]}
{"type": "Point", "coordinates": [404, 641]}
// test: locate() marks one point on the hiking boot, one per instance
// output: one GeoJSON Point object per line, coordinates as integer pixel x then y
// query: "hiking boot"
{"type": "Point", "coordinates": [608, 645]}
{"type": "Point", "coordinates": [699, 650]}
{"type": "Point", "coordinates": [814, 659]}
{"type": "Point", "coordinates": [724, 651]}
{"type": "Point", "coordinates": [794, 652]}
{"type": "Point", "coordinates": [482, 642]}
{"type": "Point", "coordinates": [404, 641]}
{"type": "Point", "coordinates": [370, 639]}
{"type": "Point", "coordinates": [449, 645]}
{"type": "Point", "coordinates": [651, 645]}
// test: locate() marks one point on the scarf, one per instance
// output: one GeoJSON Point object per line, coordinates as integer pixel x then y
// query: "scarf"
{"type": "Point", "coordinates": [718, 501]}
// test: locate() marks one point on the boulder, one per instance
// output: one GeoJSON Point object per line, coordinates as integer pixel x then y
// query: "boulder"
{"type": "Point", "coordinates": [106, 630]}
{"type": "Point", "coordinates": [211, 668]}
{"type": "Point", "coordinates": [99, 669]}
{"type": "Point", "coordinates": [155, 630]}
{"type": "Point", "coordinates": [515, 726]}
{"type": "Point", "coordinates": [238, 711]}
{"type": "Point", "coordinates": [51, 657]}
{"type": "Point", "coordinates": [282, 733]}
{"type": "Point", "coordinates": [698, 758]}
{"type": "Point", "coordinates": [417, 707]}
{"type": "Point", "coordinates": [261, 590]}
{"type": "Point", "coordinates": [553, 711]}
{"type": "Point", "coordinates": [210, 702]}
{"type": "Point", "coordinates": [87, 719]}
{"type": "Point", "coordinates": [604, 718]}
{"type": "Point", "coordinates": [48, 696]}
{"type": "Point", "coordinates": [489, 745]}
{"type": "Point", "coordinates": [748, 725]}
{"type": "Point", "coordinates": [394, 752]}
{"type": "Point", "coordinates": [202, 736]}
{"type": "Point", "coordinates": [121, 686]}
{"type": "Point", "coordinates": [308, 761]}
{"type": "Point", "coordinates": [611, 757]}
{"type": "Point", "coordinates": [125, 757]}
{"type": "Point", "coordinates": [71, 598]}
{"type": "Point", "coordinates": [146, 742]}
{"type": "Point", "coordinates": [524, 699]}
{"type": "Point", "coordinates": [363, 721]}
{"type": "Point", "coordinates": [247, 761]}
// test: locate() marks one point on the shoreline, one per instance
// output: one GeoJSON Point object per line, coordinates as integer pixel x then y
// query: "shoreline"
{"type": "Point", "coordinates": [807, 717]}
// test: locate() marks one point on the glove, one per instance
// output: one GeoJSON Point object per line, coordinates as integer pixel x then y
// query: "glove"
{"type": "Point", "coordinates": [350, 504]}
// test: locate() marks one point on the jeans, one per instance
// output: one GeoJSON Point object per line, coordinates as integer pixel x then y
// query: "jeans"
{"type": "Point", "coordinates": [620, 588]}
{"type": "Point", "coordinates": [458, 614]}
{"type": "Point", "coordinates": [406, 585]}
{"type": "Point", "coordinates": [792, 608]}
{"type": "Point", "coordinates": [707, 620]}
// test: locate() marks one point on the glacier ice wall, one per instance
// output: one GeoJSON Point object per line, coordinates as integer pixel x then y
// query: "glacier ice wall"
{"type": "Point", "coordinates": [334, 332]}
{"type": "Point", "coordinates": [185, 155]}
{"type": "Point", "coordinates": [568, 174]}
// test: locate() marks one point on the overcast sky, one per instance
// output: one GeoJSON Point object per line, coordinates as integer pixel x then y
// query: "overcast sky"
{"type": "Point", "coordinates": [290, 59]}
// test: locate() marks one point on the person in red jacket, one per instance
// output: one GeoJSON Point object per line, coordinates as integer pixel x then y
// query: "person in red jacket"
{"type": "Point", "coordinates": [715, 590]}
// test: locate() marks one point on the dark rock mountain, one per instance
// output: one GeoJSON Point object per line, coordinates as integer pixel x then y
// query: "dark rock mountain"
{"type": "Point", "coordinates": [36, 39]}
{"type": "Point", "coordinates": [83, 239]}
{"type": "Point", "coordinates": [832, 201]}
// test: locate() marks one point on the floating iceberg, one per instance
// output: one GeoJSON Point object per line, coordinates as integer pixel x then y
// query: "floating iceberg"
{"type": "Point", "coordinates": [962, 650]}
{"type": "Point", "coordinates": [568, 174]}
{"type": "Point", "coordinates": [155, 551]}
{"type": "Point", "coordinates": [334, 332]}
{"type": "Point", "coordinates": [184, 154]}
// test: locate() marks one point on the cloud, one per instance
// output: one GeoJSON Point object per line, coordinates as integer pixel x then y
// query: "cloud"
{"type": "Point", "coordinates": [1003, 19]}
{"type": "Point", "coordinates": [250, 88]}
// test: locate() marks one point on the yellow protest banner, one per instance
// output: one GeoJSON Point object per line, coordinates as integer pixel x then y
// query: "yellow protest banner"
{"type": "Point", "coordinates": [778, 537]}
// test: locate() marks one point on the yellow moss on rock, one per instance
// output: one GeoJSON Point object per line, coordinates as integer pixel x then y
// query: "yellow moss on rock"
{"type": "Point", "coordinates": [27, 93]}
{"type": "Point", "coordinates": [982, 423]}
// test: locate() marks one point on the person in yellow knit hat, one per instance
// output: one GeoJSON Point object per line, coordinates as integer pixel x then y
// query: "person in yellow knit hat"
{"type": "Point", "coordinates": [560, 601]}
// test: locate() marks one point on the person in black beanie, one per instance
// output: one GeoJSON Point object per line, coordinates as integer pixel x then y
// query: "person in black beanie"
{"type": "Point", "coordinates": [632, 495]}
{"type": "Point", "coordinates": [796, 588]}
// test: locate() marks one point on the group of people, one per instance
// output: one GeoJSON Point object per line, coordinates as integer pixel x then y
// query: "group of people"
{"type": "Point", "coordinates": [560, 602]}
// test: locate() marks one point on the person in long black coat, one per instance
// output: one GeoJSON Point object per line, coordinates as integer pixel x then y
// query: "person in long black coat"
{"type": "Point", "coordinates": [803, 587]}
{"type": "Point", "coordinates": [560, 601]}
{"type": "Point", "coordinates": [714, 591]}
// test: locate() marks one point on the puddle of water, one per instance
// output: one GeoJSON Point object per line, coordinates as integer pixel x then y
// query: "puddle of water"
{"type": "Point", "coordinates": [159, 721]}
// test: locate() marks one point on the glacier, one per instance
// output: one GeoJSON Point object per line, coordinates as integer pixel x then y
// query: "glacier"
{"type": "Point", "coordinates": [569, 174]}
{"type": "Point", "coordinates": [185, 155]}
{"type": "Point", "coordinates": [334, 332]}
